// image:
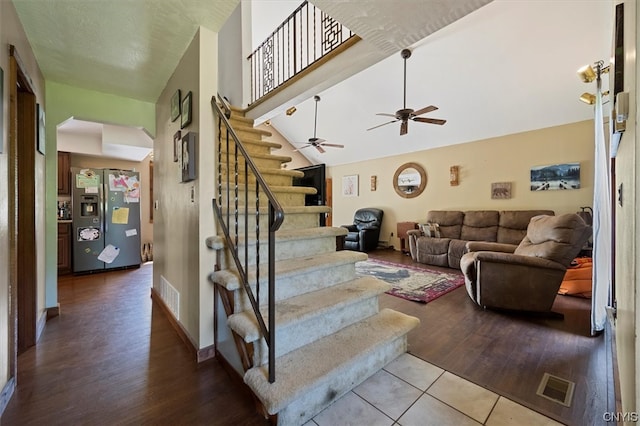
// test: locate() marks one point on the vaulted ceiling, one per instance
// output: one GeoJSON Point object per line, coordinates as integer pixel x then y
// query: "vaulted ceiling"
{"type": "Point", "coordinates": [492, 69]}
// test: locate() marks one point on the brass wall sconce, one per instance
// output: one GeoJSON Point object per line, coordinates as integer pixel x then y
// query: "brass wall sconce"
{"type": "Point", "coordinates": [291, 110]}
{"type": "Point", "coordinates": [590, 98]}
{"type": "Point", "coordinates": [374, 183]}
{"type": "Point", "coordinates": [453, 175]}
{"type": "Point", "coordinates": [587, 74]}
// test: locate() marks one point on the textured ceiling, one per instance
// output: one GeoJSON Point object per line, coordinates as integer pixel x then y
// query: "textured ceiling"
{"type": "Point", "coordinates": [124, 47]}
{"type": "Point", "coordinates": [393, 25]}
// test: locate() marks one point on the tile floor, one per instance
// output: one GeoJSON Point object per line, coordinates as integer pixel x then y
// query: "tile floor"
{"type": "Point", "coordinates": [410, 391]}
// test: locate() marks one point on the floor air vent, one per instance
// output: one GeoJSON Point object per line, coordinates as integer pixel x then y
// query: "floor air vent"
{"type": "Point", "coordinates": [556, 389]}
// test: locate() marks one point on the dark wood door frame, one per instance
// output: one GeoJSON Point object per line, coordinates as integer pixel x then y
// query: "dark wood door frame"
{"type": "Point", "coordinates": [22, 249]}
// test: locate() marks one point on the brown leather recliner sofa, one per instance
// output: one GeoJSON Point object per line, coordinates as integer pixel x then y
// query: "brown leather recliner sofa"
{"type": "Point", "coordinates": [527, 278]}
{"type": "Point", "coordinates": [459, 227]}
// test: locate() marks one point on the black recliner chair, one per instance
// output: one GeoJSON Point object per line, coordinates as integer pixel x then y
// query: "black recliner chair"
{"type": "Point", "coordinates": [364, 233]}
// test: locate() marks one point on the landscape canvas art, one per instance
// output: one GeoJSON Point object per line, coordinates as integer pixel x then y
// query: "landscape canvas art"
{"type": "Point", "coordinates": [555, 176]}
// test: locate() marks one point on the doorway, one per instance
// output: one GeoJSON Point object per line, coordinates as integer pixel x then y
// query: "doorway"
{"type": "Point", "coordinates": [22, 209]}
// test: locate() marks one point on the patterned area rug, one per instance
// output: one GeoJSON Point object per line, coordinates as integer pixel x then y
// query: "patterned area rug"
{"type": "Point", "coordinates": [411, 283]}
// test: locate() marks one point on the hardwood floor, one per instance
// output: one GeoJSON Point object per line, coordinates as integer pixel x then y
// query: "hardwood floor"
{"type": "Point", "coordinates": [111, 357]}
{"type": "Point", "coordinates": [509, 353]}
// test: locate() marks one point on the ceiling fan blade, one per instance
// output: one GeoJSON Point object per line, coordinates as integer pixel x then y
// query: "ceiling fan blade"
{"type": "Point", "coordinates": [301, 148]}
{"type": "Point", "coordinates": [404, 128]}
{"type": "Point", "coordinates": [319, 148]}
{"type": "Point", "coordinates": [437, 121]}
{"type": "Point", "coordinates": [386, 114]}
{"type": "Point", "coordinates": [383, 124]}
{"type": "Point", "coordinates": [333, 145]}
{"type": "Point", "coordinates": [425, 110]}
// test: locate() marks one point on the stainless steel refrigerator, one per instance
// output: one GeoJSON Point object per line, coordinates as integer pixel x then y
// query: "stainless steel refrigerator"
{"type": "Point", "coordinates": [106, 219]}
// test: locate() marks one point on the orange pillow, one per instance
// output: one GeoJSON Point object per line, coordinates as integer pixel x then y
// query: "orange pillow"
{"type": "Point", "coordinates": [577, 279]}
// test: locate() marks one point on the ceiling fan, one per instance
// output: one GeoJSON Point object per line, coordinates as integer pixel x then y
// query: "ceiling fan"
{"type": "Point", "coordinates": [405, 114]}
{"type": "Point", "coordinates": [317, 142]}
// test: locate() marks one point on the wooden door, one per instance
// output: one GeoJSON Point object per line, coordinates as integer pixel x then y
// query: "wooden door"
{"type": "Point", "coordinates": [22, 205]}
{"type": "Point", "coordinates": [329, 200]}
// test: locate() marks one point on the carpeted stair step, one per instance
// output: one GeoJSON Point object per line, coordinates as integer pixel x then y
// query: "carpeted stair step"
{"type": "Point", "coordinates": [290, 243]}
{"type": "Point", "coordinates": [277, 177]}
{"type": "Point", "coordinates": [251, 133]}
{"type": "Point", "coordinates": [238, 119]}
{"type": "Point", "coordinates": [262, 159]}
{"type": "Point", "coordinates": [286, 195]}
{"type": "Point", "coordinates": [295, 217]}
{"type": "Point", "coordinates": [302, 319]}
{"type": "Point", "coordinates": [293, 276]}
{"type": "Point", "coordinates": [312, 377]}
{"type": "Point", "coordinates": [254, 146]}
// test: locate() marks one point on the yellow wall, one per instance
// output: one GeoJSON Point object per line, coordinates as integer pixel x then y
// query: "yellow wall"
{"type": "Point", "coordinates": [503, 159]}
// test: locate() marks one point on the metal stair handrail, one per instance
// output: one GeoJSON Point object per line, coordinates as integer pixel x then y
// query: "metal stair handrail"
{"type": "Point", "coordinates": [306, 37]}
{"type": "Point", "coordinates": [228, 136]}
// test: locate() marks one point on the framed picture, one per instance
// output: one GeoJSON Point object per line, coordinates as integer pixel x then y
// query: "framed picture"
{"type": "Point", "coordinates": [177, 146]}
{"type": "Point", "coordinates": [500, 190]}
{"type": "Point", "coordinates": [40, 129]}
{"type": "Point", "coordinates": [1, 110]}
{"type": "Point", "coordinates": [175, 105]}
{"type": "Point", "coordinates": [350, 186]}
{"type": "Point", "coordinates": [186, 111]}
{"type": "Point", "coordinates": [188, 164]}
{"type": "Point", "coordinates": [555, 176]}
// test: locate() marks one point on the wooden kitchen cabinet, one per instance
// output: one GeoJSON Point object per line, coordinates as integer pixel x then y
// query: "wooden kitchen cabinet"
{"type": "Point", "coordinates": [64, 248]}
{"type": "Point", "coordinates": [64, 174]}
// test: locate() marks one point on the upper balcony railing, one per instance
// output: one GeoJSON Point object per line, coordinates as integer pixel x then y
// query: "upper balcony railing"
{"type": "Point", "coordinates": [305, 37]}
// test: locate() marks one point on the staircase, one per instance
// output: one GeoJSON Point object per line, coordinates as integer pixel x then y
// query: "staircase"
{"type": "Point", "coordinates": [330, 335]}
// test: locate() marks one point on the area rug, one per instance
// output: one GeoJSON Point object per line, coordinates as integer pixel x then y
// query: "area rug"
{"type": "Point", "coordinates": [410, 282]}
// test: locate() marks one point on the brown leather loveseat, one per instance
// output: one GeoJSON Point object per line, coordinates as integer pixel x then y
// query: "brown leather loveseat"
{"type": "Point", "coordinates": [458, 227]}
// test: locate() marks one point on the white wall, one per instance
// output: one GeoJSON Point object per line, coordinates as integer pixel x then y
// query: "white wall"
{"type": "Point", "coordinates": [503, 159]}
{"type": "Point", "coordinates": [231, 58]}
{"type": "Point", "coordinates": [267, 15]}
{"type": "Point", "coordinates": [181, 222]}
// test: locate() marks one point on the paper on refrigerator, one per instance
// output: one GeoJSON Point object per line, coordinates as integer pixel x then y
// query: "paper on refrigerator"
{"type": "Point", "coordinates": [109, 254]}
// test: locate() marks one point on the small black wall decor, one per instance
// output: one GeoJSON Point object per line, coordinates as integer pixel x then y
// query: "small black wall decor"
{"type": "Point", "coordinates": [186, 111]}
{"type": "Point", "coordinates": [189, 158]}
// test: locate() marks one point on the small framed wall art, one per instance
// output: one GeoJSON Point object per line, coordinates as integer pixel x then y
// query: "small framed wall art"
{"type": "Point", "coordinates": [350, 186]}
{"type": "Point", "coordinates": [555, 177]}
{"type": "Point", "coordinates": [500, 190]}
{"type": "Point", "coordinates": [188, 163]}
{"type": "Point", "coordinates": [186, 111]}
{"type": "Point", "coordinates": [1, 110]}
{"type": "Point", "coordinates": [175, 105]}
{"type": "Point", "coordinates": [177, 146]}
{"type": "Point", "coordinates": [40, 129]}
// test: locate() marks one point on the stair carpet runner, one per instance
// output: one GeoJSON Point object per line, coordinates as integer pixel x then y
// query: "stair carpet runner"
{"type": "Point", "coordinates": [330, 333]}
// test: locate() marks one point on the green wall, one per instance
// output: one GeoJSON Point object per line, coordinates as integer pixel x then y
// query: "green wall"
{"type": "Point", "coordinates": [62, 103]}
